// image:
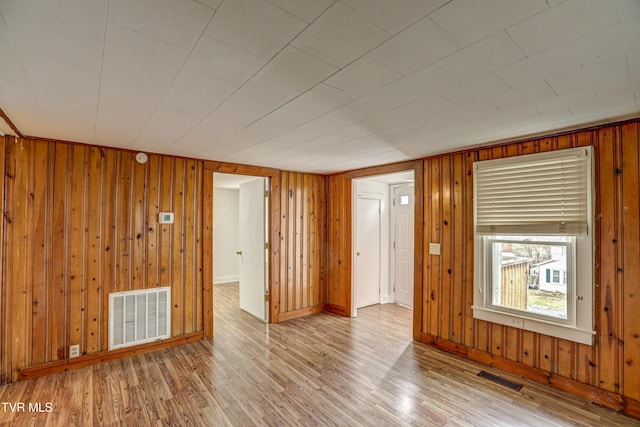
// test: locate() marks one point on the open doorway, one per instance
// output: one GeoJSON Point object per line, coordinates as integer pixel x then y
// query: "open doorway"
{"type": "Point", "coordinates": [383, 236]}
{"type": "Point", "coordinates": [240, 239]}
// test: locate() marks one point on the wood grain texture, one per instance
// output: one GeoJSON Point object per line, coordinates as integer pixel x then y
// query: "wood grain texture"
{"type": "Point", "coordinates": [81, 222]}
{"type": "Point", "coordinates": [316, 370]}
{"type": "Point", "coordinates": [301, 220]}
{"type": "Point", "coordinates": [612, 363]}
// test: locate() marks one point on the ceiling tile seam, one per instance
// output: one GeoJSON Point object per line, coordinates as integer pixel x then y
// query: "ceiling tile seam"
{"type": "Point", "coordinates": [294, 16]}
{"type": "Point", "coordinates": [104, 43]}
{"type": "Point", "coordinates": [570, 42]}
{"type": "Point", "coordinates": [24, 70]}
{"type": "Point", "coordinates": [252, 76]}
{"type": "Point", "coordinates": [427, 16]}
{"type": "Point", "coordinates": [206, 5]}
{"type": "Point", "coordinates": [373, 23]}
{"type": "Point", "coordinates": [175, 78]}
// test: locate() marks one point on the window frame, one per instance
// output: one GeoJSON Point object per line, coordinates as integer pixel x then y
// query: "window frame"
{"type": "Point", "coordinates": [491, 280]}
{"type": "Point", "coordinates": [578, 326]}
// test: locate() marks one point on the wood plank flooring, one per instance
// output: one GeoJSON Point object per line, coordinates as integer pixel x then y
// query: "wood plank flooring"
{"type": "Point", "coordinates": [317, 370]}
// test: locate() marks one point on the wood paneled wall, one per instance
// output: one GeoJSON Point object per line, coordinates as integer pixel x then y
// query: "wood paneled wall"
{"type": "Point", "coordinates": [444, 295]}
{"type": "Point", "coordinates": [297, 260]}
{"type": "Point", "coordinates": [613, 362]}
{"type": "Point", "coordinates": [81, 222]}
{"type": "Point", "coordinates": [302, 218]}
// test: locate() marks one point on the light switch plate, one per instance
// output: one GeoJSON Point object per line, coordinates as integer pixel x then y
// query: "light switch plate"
{"type": "Point", "coordinates": [434, 248]}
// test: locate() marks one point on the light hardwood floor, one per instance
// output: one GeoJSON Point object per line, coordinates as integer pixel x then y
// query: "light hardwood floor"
{"type": "Point", "coordinates": [318, 370]}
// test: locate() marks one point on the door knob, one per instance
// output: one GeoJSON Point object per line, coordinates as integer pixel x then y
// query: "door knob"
{"type": "Point", "coordinates": [238, 252]}
{"type": "Point", "coordinates": [357, 253]}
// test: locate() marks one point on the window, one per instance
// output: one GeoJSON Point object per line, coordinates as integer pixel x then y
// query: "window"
{"type": "Point", "coordinates": [533, 243]}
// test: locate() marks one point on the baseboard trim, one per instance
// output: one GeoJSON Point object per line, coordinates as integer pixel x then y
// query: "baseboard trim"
{"type": "Point", "coordinates": [31, 372]}
{"type": "Point", "coordinates": [588, 392]}
{"type": "Point", "coordinates": [225, 279]}
{"type": "Point", "coordinates": [335, 309]}
{"type": "Point", "coordinates": [301, 312]}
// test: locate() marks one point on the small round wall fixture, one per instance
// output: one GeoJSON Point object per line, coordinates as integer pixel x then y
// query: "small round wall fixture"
{"type": "Point", "coordinates": [141, 158]}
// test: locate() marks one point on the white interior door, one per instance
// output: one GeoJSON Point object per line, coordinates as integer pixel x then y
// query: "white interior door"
{"type": "Point", "coordinates": [367, 272]}
{"type": "Point", "coordinates": [252, 252]}
{"type": "Point", "coordinates": [403, 212]}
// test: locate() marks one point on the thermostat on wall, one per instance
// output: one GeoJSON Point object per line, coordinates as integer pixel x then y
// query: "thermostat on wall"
{"type": "Point", "coordinates": [165, 218]}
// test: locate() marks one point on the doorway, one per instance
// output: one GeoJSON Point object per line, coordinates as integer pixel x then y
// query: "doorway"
{"type": "Point", "coordinates": [240, 239]}
{"type": "Point", "coordinates": [383, 235]}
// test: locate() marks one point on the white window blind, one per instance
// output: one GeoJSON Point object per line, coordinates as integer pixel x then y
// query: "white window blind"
{"type": "Point", "coordinates": [546, 193]}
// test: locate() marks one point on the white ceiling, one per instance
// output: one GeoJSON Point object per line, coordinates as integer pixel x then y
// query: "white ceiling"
{"type": "Point", "coordinates": [315, 85]}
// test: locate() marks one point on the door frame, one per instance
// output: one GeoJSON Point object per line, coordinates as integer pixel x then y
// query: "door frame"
{"type": "Point", "coordinates": [354, 201]}
{"type": "Point", "coordinates": [210, 167]}
{"type": "Point", "coordinates": [418, 243]}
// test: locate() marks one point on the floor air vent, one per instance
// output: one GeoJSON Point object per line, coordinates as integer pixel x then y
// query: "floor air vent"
{"type": "Point", "coordinates": [502, 381]}
{"type": "Point", "coordinates": [137, 317]}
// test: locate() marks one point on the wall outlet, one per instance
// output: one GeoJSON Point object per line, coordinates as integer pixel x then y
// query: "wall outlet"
{"type": "Point", "coordinates": [74, 351]}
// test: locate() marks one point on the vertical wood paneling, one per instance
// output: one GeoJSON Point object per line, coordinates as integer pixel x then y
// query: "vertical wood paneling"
{"type": "Point", "coordinates": [301, 283]}
{"type": "Point", "coordinates": [78, 226]}
{"type": "Point", "coordinates": [630, 309]}
{"type": "Point", "coordinates": [177, 254]}
{"type": "Point", "coordinates": [95, 299]}
{"type": "Point", "coordinates": [339, 244]}
{"type": "Point", "coordinates": [612, 362]}
{"type": "Point", "coordinates": [607, 254]}
{"type": "Point", "coordinates": [206, 264]}
{"type": "Point", "coordinates": [4, 320]}
{"type": "Point", "coordinates": [41, 257]}
{"type": "Point", "coordinates": [458, 267]}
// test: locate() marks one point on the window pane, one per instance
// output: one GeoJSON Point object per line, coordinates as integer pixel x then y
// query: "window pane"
{"type": "Point", "coordinates": [527, 275]}
{"type": "Point", "coordinates": [404, 200]}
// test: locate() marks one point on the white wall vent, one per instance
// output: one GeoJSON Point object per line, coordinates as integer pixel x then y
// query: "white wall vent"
{"type": "Point", "coordinates": [137, 317]}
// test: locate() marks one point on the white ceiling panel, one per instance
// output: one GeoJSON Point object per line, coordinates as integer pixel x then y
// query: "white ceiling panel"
{"type": "Point", "coordinates": [363, 76]}
{"type": "Point", "coordinates": [305, 10]}
{"type": "Point", "coordinates": [296, 69]}
{"type": "Point", "coordinates": [64, 90]}
{"type": "Point", "coordinates": [563, 23]}
{"type": "Point", "coordinates": [620, 39]}
{"type": "Point", "coordinates": [522, 95]}
{"type": "Point", "coordinates": [608, 70]}
{"type": "Point", "coordinates": [468, 21]}
{"type": "Point", "coordinates": [136, 50]}
{"type": "Point", "coordinates": [419, 109]}
{"type": "Point", "coordinates": [479, 88]}
{"type": "Point", "coordinates": [561, 60]}
{"type": "Point", "coordinates": [395, 16]}
{"type": "Point", "coordinates": [264, 95]}
{"type": "Point", "coordinates": [340, 36]}
{"type": "Point", "coordinates": [421, 44]}
{"type": "Point", "coordinates": [424, 82]}
{"type": "Point", "coordinates": [489, 54]}
{"type": "Point", "coordinates": [315, 85]}
{"type": "Point", "coordinates": [176, 22]}
{"type": "Point", "coordinates": [255, 26]}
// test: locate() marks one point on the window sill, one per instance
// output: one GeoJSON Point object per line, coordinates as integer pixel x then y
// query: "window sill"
{"type": "Point", "coordinates": [571, 333]}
